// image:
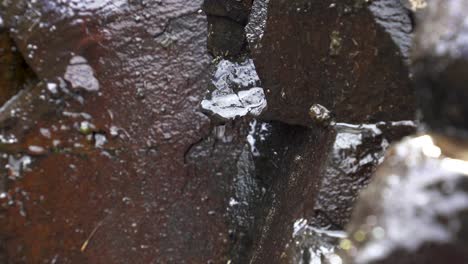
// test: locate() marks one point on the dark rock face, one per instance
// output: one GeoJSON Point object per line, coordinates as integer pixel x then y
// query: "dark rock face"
{"type": "Point", "coordinates": [228, 160]}
{"type": "Point", "coordinates": [440, 61]}
{"type": "Point", "coordinates": [415, 210]}
{"type": "Point", "coordinates": [291, 163]}
{"type": "Point", "coordinates": [356, 152]}
{"type": "Point", "coordinates": [14, 73]}
{"type": "Point", "coordinates": [226, 21]}
{"type": "Point", "coordinates": [236, 10]}
{"type": "Point", "coordinates": [333, 54]}
{"type": "Point", "coordinates": [226, 38]}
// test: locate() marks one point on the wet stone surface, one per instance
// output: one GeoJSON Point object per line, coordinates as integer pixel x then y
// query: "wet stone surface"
{"type": "Point", "coordinates": [108, 132]}
{"type": "Point", "coordinates": [439, 65]}
{"type": "Point", "coordinates": [226, 22]}
{"type": "Point", "coordinates": [138, 145]}
{"type": "Point", "coordinates": [14, 73]}
{"type": "Point", "coordinates": [227, 157]}
{"type": "Point", "coordinates": [415, 209]}
{"type": "Point", "coordinates": [356, 152]}
{"type": "Point", "coordinates": [334, 54]}
{"type": "Point", "coordinates": [289, 165]}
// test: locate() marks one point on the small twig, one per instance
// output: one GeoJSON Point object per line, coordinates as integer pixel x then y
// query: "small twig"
{"type": "Point", "coordinates": [85, 244]}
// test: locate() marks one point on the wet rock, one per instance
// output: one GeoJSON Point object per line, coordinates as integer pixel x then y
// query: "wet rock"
{"type": "Point", "coordinates": [226, 38]}
{"type": "Point", "coordinates": [415, 209]}
{"type": "Point", "coordinates": [237, 10]}
{"type": "Point", "coordinates": [337, 55]}
{"type": "Point", "coordinates": [289, 166]}
{"type": "Point", "coordinates": [232, 172]}
{"type": "Point", "coordinates": [357, 151]}
{"type": "Point", "coordinates": [81, 75]}
{"type": "Point", "coordinates": [112, 182]}
{"type": "Point", "coordinates": [440, 63]}
{"type": "Point", "coordinates": [226, 21]}
{"type": "Point", "coordinates": [14, 73]}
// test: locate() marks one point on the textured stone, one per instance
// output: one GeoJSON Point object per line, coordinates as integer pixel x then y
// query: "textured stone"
{"type": "Point", "coordinates": [102, 175]}
{"type": "Point", "coordinates": [335, 54]}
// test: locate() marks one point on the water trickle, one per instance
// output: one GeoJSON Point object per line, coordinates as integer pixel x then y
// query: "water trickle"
{"type": "Point", "coordinates": [257, 22]}
{"type": "Point", "coordinates": [257, 131]}
{"type": "Point", "coordinates": [310, 245]}
{"type": "Point", "coordinates": [356, 152]}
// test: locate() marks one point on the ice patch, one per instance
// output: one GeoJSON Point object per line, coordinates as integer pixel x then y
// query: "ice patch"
{"type": "Point", "coordinates": [236, 92]}
{"type": "Point", "coordinates": [81, 75]}
{"type": "Point", "coordinates": [319, 245]}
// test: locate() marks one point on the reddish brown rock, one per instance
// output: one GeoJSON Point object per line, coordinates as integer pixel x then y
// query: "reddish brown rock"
{"type": "Point", "coordinates": [109, 180]}
{"type": "Point", "coordinates": [440, 62]}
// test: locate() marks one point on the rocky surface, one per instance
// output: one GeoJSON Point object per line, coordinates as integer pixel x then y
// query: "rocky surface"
{"type": "Point", "coordinates": [226, 22]}
{"type": "Point", "coordinates": [440, 63]}
{"type": "Point", "coordinates": [139, 143]}
{"type": "Point", "coordinates": [312, 77]}
{"type": "Point", "coordinates": [356, 152]}
{"type": "Point", "coordinates": [415, 209]}
{"type": "Point", "coordinates": [103, 175]}
{"type": "Point", "coordinates": [291, 162]}
{"type": "Point", "coordinates": [337, 55]}
{"type": "Point", "coordinates": [14, 73]}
